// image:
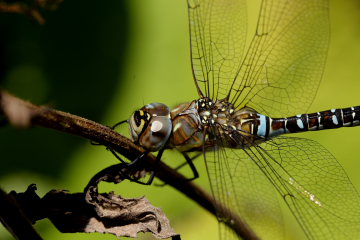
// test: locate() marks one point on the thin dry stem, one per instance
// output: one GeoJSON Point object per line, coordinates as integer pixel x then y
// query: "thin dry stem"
{"type": "Point", "coordinates": [24, 114]}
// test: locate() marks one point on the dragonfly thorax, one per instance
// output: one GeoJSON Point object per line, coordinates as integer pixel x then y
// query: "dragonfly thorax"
{"type": "Point", "coordinates": [205, 123]}
{"type": "Point", "coordinates": [221, 114]}
{"type": "Point", "coordinates": [190, 126]}
{"type": "Point", "coordinates": [214, 112]}
{"type": "Point", "coordinates": [233, 128]}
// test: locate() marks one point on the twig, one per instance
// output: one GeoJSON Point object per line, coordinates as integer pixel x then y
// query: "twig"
{"type": "Point", "coordinates": [24, 114]}
{"type": "Point", "coordinates": [32, 10]}
{"type": "Point", "coordinates": [14, 219]}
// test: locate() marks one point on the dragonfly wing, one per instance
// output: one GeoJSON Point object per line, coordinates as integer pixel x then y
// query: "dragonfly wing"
{"type": "Point", "coordinates": [238, 184]}
{"type": "Point", "coordinates": [313, 184]}
{"type": "Point", "coordinates": [283, 65]}
{"type": "Point", "coordinates": [217, 33]}
{"type": "Point", "coordinates": [310, 180]}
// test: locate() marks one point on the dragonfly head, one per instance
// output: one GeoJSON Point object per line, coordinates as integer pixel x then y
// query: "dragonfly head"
{"type": "Point", "coordinates": [151, 126]}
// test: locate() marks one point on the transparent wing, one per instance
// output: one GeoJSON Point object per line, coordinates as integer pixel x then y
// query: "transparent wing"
{"type": "Point", "coordinates": [310, 180]}
{"type": "Point", "coordinates": [238, 184]}
{"type": "Point", "coordinates": [283, 66]}
{"type": "Point", "coordinates": [314, 186]}
{"type": "Point", "coordinates": [218, 34]}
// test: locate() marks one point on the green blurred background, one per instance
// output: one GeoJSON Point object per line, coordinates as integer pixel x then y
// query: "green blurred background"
{"type": "Point", "coordinates": [102, 60]}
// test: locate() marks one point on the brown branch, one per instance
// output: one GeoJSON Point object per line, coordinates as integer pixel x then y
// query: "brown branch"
{"type": "Point", "coordinates": [24, 114]}
{"type": "Point", "coordinates": [14, 219]}
{"type": "Point", "coordinates": [33, 10]}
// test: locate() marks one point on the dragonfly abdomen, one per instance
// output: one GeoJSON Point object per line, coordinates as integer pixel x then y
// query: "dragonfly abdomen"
{"type": "Point", "coordinates": [334, 118]}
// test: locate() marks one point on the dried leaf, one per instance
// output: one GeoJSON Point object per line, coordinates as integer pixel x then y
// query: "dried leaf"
{"type": "Point", "coordinates": [105, 213]}
{"type": "Point", "coordinates": [135, 214]}
{"type": "Point", "coordinates": [127, 217]}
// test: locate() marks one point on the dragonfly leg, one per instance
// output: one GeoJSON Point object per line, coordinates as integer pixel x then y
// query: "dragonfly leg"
{"type": "Point", "coordinates": [119, 158]}
{"type": "Point", "coordinates": [186, 162]}
{"type": "Point", "coordinates": [133, 166]}
{"type": "Point", "coordinates": [116, 174]}
{"type": "Point", "coordinates": [152, 172]}
{"type": "Point", "coordinates": [189, 161]}
{"type": "Point", "coordinates": [118, 124]}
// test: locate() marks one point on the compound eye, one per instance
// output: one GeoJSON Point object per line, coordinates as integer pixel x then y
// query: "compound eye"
{"type": "Point", "coordinates": [156, 134]}
{"type": "Point", "coordinates": [138, 119]}
{"type": "Point", "coordinates": [138, 122]}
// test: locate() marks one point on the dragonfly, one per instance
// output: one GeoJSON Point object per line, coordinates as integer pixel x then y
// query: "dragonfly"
{"type": "Point", "coordinates": [251, 91]}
